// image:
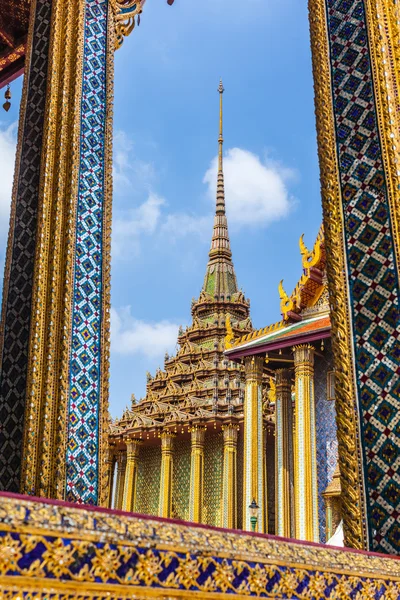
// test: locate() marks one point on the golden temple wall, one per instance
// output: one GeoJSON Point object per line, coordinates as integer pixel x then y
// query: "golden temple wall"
{"type": "Point", "coordinates": [213, 471]}
{"type": "Point", "coordinates": [181, 479]}
{"type": "Point", "coordinates": [148, 483]}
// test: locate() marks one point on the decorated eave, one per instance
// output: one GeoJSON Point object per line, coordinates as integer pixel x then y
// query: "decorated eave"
{"type": "Point", "coordinates": [302, 320]}
{"type": "Point", "coordinates": [281, 336]}
{"type": "Point", "coordinates": [14, 21]}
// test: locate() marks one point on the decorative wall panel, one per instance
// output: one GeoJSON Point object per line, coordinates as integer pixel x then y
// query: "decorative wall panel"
{"type": "Point", "coordinates": [19, 269]}
{"type": "Point", "coordinates": [325, 426]}
{"type": "Point", "coordinates": [148, 482]}
{"type": "Point", "coordinates": [213, 467]}
{"type": "Point", "coordinates": [181, 479]}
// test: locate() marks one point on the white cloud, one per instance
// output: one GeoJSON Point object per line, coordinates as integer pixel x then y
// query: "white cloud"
{"type": "Point", "coordinates": [131, 336]}
{"type": "Point", "coordinates": [8, 141]}
{"type": "Point", "coordinates": [129, 172]}
{"type": "Point", "coordinates": [149, 219]}
{"type": "Point", "coordinates": [179, 225]}
{"type": "Point", "coordinates": [129, 225]}
{"type": "Point", "coordinates": [256, 192]}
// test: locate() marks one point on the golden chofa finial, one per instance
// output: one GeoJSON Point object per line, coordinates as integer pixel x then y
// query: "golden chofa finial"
{"type": "Point", "coordinates": [286, 302]}
{"type": "Point", "coordinates": [310, 257]}
{"type": "Point", "coordinates": [303, 248]}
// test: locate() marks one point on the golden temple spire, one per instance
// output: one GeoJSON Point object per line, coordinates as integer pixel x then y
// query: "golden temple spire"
{"type": "Point", "coordinates": [220, 139]}
{"type": "Point", "coordinates": [220, 276]}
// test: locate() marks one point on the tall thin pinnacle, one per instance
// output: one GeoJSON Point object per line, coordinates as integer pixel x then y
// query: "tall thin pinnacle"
{"type": "Point", "coordinates": [220, 208]}
{"type": "Point", "coordinates": [220, 275]}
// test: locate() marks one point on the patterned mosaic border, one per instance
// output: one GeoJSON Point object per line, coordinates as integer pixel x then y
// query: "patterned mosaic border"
{"type": "Point", "coordinates": [82, 474]}
{"type": "Point", "coordinates": [373, 278]}
{"type": "Point", "coordinates": [19, 269]}
{"type": "Point", "coordinates": [91, 553]}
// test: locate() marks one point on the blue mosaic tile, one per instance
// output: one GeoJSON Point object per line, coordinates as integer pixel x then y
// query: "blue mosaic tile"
{"type": "Point", "coordinates": [84, 401]}
{"type": "Point", "coordinates": [372, 270]}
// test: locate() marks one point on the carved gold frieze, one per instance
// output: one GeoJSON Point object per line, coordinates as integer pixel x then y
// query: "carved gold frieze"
{"type": "Point", "coordinates": [60, 551]}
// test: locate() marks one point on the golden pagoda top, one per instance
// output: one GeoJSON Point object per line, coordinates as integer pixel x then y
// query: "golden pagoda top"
{"type": "Point", "coordinates": [220, 279]}
{"type": "Point", "coordinates": [199, 384]}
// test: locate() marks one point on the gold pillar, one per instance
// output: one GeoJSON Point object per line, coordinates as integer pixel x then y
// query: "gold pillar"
{"type": "Point", "coordinates": [111, 471]}
{"type": "Point", "coordinates": [167, 447]}
{"type": "Point", "coordinates": [333, 504]}
{"type": "Point", "coordinates": [196, 474]}
{"type": "Point", "coordinates": [265, 505]}
{"type": "Point", "coordinates": [229, 483]}
{"type": "Point", "coordinates": [305, 459]}
{"type": "Point", "coordinates": [283, 453]}
{"type": "Point", "coordinates": [253, 480]}
{"type": "Point", "coordinates": [132, 459]}
{"type": "Point", "coordinates": [119, 488]}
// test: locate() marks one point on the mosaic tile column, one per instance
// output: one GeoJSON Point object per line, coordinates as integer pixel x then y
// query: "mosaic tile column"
{"type": "Point", "coordinates": [196, 474]}
{"type": "Point", "coordinates": [229, 477]}
{"type": "Point", "coordinates": [284, 453]}
{"type": "Point", "coordinates": [167, 468]}
{"type": "Point", "coordinates": [54, 338]}
{"type": "Point", "coordinates": [131, 474]}
{"type": "Point", "coordinates": [253, 479]}
{"type": "Point", "coordinates": [15, 329]}
{"type": "Point", "coordinates": [305, 452]}
{"type": "Point", "coordinates": [120, 483]}
{"type": "Point", "coordinates": [356, 79]}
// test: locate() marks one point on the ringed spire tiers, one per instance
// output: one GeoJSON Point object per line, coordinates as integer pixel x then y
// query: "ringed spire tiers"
{"type": "Point", "coordinates": [220, 278]}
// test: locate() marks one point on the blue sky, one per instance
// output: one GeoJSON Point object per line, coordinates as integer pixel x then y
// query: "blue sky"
{"type": "Point", "coordinates": [166, 129]}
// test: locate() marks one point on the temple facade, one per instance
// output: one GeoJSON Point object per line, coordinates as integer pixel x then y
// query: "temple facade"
{"type": "Point", "coordinates": [238, 416]}
{"type": "Point", "coordinates": [296, 355]}
{"type": "Point", "coordinates": [179, 451]}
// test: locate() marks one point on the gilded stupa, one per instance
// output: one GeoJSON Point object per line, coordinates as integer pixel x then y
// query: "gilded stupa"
{"type": "Point", "coordinates": [171, 446]}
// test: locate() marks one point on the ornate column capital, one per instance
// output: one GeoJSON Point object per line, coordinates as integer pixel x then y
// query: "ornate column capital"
{"type": "Point", "coordinates": [303, 355]}
{"type": "Point", "coordinates": [167, 441]}
{"type": "Point", "coordinates": [197, 436]}
{"type": "Point", "coordinates": [253, 366]}
{"type": "Point", "coordinates": [283, 377]}
{"type": "Point", "coordinates": [132, 448]}
{"type": "Point", "coordinates": [121, 458]}
{"type": "Point", "coordinates": [230, 433]}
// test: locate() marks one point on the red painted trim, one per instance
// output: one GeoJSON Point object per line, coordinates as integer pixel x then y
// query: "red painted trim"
{"type": "Point", "coordinates": [114, 512]}
{"type": "Point", "coordinates": [11, 72]}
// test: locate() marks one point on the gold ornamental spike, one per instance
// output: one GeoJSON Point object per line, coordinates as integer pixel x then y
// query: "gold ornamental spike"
{"type": "Point", "coordinates": [303, 248]}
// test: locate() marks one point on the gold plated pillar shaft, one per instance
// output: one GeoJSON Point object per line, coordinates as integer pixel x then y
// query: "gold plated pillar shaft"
{"type": "Point", "coordinates": [253, 480]}
{"type": "Point", "coordinates": [111, 473]}
{"type": "Point", "coordinates": [229, 483]}
{"type": "Point", "coordinates": [132, 459]}
{"type": "Point", "coordinates": [306, 485]}
{"type": "Point", "coordinates": [119, 488]}
{"type": "Point", "coordinates": [196, 474]}
{"type": "Point", "coordinates": [283, 452]}
{"type": "Point", "coordinates": [167, 447]}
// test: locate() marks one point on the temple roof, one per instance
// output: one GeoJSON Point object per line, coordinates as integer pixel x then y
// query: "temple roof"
{"type": "Point", "coordinates": [305, 313]}
{"type": "Point", "coordinates": [281, 335]}
{"type": "Point", "coordinates": [199, 384]}
{"type": "Point", "coordinates": [14, 21]}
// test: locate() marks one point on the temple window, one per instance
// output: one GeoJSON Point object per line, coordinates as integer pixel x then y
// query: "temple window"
{"type": "Point", "coordinates": [330, 391]}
